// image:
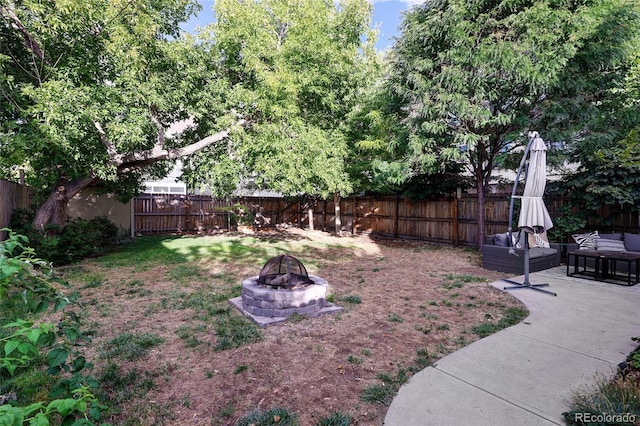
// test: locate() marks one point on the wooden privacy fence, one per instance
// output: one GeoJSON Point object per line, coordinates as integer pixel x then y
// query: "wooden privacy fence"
{"type": "Point", "coordinates": [166, 213]}
{"type": "Point", "coordinates": [450, 220]}
{"type": "Point", "coordinates": [12, 196]}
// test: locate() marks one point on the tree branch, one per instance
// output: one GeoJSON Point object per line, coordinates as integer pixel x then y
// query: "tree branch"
{"type": "Point", "coordinates": [114, 157]}
{"type": "Point", "coordinates": [159, 127]}
{"type": "Point", "coordinates": [137, 160]}
{"type": "Point", "coordinates": [31, 42]}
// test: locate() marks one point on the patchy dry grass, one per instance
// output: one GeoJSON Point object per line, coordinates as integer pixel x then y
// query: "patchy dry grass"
{"type": "Point", "coordinates": [198, 361]}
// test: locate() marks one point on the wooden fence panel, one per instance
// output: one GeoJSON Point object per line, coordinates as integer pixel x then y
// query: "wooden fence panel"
{"type": "Point", "coordinates": [447, 220]}
{"type": "Point", "coordinates": [160, 213]}
{"type": "Point", "coordinates": [425, 219]}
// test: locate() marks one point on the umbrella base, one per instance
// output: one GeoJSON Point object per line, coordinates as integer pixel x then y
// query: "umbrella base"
{"type": "Point", "coordinates": [527, 284]}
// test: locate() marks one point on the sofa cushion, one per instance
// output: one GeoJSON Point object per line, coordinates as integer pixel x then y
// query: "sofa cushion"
{"type": "Point", "coordinates": [610, 245]}
{"type": "Point", "coordinates": [541, 252]}
{"type": "Point", "coordinates": [631, 242]}
{"type": "Point", "coordinates": [586, 241]}
{"type": "Point", "coordinates": [615, 236]}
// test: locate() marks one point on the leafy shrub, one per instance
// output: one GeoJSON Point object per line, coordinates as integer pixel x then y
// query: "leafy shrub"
{"type": "Point", "coordinates": [27, 347]}
{"type": "Point", "coordinates": [78, 239]}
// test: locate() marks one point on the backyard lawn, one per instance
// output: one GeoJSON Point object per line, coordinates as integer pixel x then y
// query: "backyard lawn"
{"type": "Point", "coordinates": [169, 349]}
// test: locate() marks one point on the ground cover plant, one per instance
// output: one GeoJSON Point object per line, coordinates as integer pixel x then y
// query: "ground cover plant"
{"type": "Point", "coordinates": [611, 398]}
{"type": "Point", "coordinates": [168, 348]}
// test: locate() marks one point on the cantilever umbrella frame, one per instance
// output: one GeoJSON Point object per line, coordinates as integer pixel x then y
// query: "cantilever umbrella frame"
{"type": "Point", "coordinates": [526, 283]}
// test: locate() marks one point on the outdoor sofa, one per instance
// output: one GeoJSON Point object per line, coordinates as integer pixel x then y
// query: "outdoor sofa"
{"type": "Point", "coordinates": [615, 242]}
{"type": "Point", "coordinates": [496, 257]}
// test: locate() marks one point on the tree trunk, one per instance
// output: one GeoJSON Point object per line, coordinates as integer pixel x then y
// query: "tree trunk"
{"type": "Point", "coordinates": [480, 198]}
{"type": "Point", "coordinates": [54, 210]}
{"type": "Point", "coordinates": [336, 209]}
{"type": "Point", "coordinates": [310, 214]}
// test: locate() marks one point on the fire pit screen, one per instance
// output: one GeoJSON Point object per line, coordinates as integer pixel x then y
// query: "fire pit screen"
{"type": "Point", "coordinates": [284, 271]}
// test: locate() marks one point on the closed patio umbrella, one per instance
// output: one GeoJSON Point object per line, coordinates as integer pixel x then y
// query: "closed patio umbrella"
{"type": "Point", "coordinates": [534, 217]}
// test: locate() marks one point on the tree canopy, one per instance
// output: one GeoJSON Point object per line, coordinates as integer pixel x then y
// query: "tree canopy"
{"type": "Point", "coordinates": [89, 88]}
{"type": "Point", "coordinates": [472, 77]}
{"type": "Point", "coordinates": [295, 69]}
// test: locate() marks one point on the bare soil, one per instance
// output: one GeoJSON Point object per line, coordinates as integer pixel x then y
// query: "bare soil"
{"type": "Point", "coordinates": [414, 296]}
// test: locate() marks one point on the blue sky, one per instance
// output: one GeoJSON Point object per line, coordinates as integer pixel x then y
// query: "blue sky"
{"type": "Point", "coordinates": [386, 17]}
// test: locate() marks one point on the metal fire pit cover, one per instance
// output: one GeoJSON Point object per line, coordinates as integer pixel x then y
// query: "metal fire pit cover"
{"type": "Point", "coordinates": [284, 271]}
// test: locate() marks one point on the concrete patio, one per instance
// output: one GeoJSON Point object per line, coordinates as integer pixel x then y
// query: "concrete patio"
{"type": "Point", "coordinates": [525, 374]}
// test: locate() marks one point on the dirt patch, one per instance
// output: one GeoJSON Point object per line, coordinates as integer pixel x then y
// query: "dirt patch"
{"type": "Point", "coordinates": [400, 299]}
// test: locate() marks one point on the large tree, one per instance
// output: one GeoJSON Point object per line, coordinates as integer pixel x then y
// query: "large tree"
{"type": "Point", "coordinates": [295, 68]}
{"type": "Point", "coordinates": [89, 88]}
{"type": "Point", "coordinates": [473, 76]}
{"type": "Point", "coordinates": [600, 108]}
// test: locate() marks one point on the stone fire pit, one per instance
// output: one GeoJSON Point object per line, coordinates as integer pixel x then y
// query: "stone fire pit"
{"type": "Point", "coordinates": [282, 289]}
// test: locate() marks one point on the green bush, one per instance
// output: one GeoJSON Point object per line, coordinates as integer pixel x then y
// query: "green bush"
{"type": "Point", "coordinates": [77, 240]}
{"type": "Point", "coordinates": [36, 393]}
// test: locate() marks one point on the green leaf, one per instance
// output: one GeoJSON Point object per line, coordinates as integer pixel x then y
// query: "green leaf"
{"type": "Point", "coordinates": [63, 406]}
{"type": "Point", "coordinates": [33, 335]}
{"type": "Point", "coordinates": [11, 416]}
{"type": "Point", "coordinates": [9, 270]}
{"type": "Point", "coordinates": [57, 357]}
{"type": "Point", "coordinates": [42, 307]}
{"type": "Point", "coordinates": [83, 422]}
{"type": "Point", "coordinates": [30, 409]}
{"type": "Point", "coordinates": [40, 419]}
{"type": "Point", "coordinates": [60, 304]}
{"type": "Point", "coordinates": [72, 334]}
{"type": "Point", "coordinates": [19, 323]}
{"type": "Point", "coordinates": [79, 363]}
{"type": "Point", "coordinates": [27, 349]}
{"type": "Point", "coordinates": [11, 368]}
{"type": "Point", "coordinates": [10, 346]}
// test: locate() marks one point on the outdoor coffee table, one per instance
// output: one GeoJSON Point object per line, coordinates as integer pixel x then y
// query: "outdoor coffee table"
{"type": "Point", "coordinates": [605, 266]}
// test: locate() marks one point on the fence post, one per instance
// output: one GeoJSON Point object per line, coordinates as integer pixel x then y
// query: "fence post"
{"type": "Point", "coordinates": [395, 216]}
{"type": "Point", "coordinates": [187, 218]}
{"type": "Point", "coordinates": [455, 224]}
{"type": "Point", "coordinates": [324, 215]}
{"type": "Point", "coordinates": [355, 215]}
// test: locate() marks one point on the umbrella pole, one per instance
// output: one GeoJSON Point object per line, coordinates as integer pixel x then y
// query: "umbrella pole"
{"type": "Point", "coordinates": [527, 283]}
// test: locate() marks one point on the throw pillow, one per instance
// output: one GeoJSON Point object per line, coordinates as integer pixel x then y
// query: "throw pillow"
{"type": "Point", "coordinates": [586, 241]}
{"type": "Point", "coordinates": [500, 240]}
{"type": "Point", "coordinates": [631, 242]}
{"type": "Point", "coordinates": [540, 241]}
{"type": "Point", "coordinates": [610, 245]}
